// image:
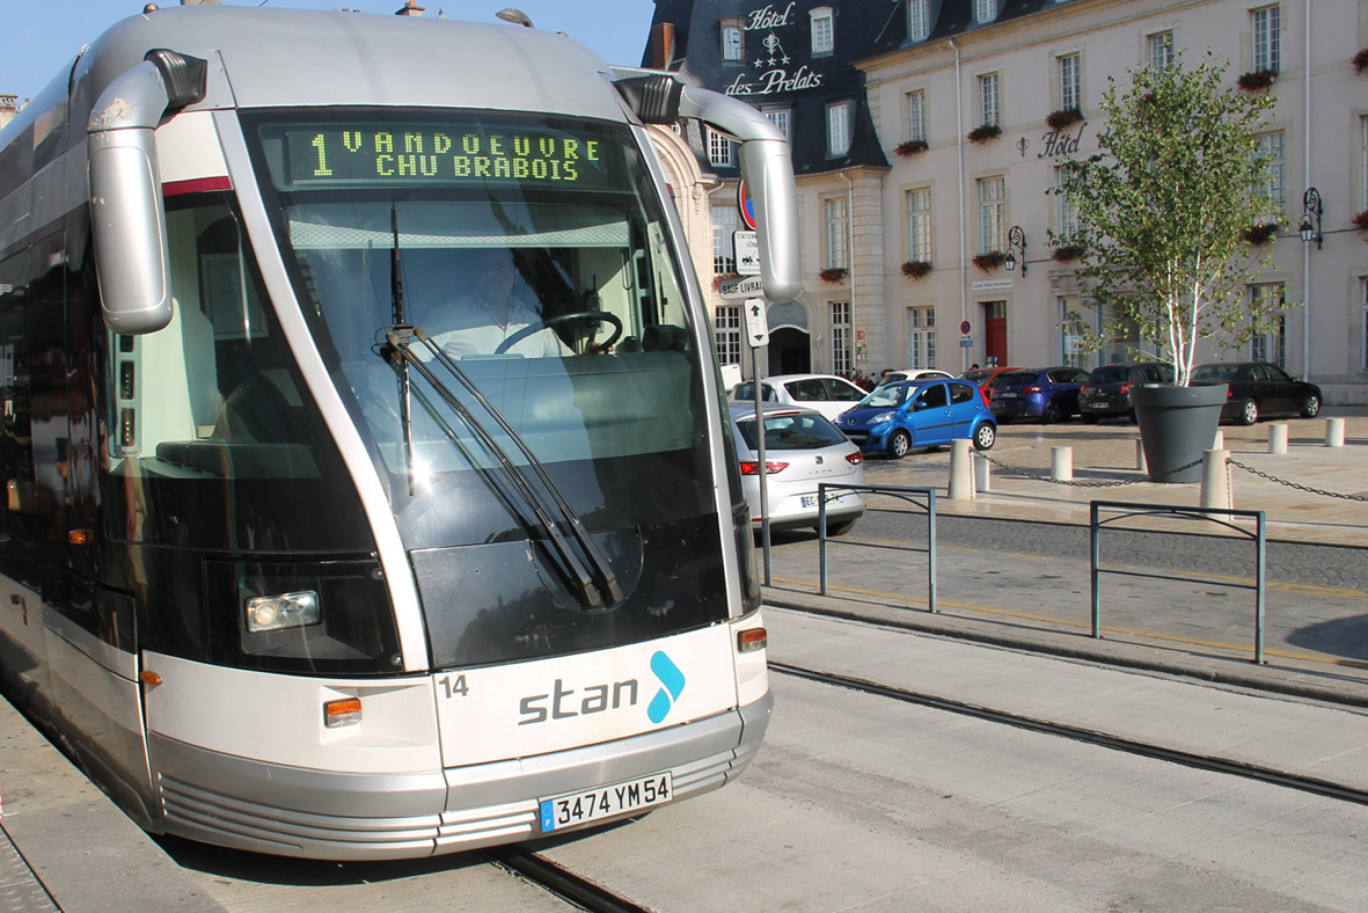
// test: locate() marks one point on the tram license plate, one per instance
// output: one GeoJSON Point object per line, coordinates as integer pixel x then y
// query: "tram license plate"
{"type": "Point", "coordinates": [605, 801]}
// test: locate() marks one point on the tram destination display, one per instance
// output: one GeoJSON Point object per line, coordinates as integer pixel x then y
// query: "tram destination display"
{"type": "Point", "coordinates": [386, 154]}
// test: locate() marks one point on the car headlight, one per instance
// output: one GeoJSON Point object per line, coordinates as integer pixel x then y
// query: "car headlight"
{"type": "Point", "coordinates": [881, 418]}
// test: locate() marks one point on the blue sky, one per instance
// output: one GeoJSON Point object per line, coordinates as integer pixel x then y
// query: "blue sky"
{"type": "Point", "coordinates": [39, 37]}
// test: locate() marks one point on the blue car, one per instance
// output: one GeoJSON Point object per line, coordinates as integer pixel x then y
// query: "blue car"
{"type": "Point", "coordinates": [1047, 394]}
{"type": "Point", "coordinates": [919, 413]}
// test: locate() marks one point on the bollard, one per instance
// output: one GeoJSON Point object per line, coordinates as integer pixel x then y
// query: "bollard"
{"type": "Point", "coordinates": [1334, 432]}
{"type": "Point", "coordinates": [1140, 463]}
{"type": "Point", "coordinates": [1061, 464]}
{"type": "Point", "coordinates": [983, 479]}
{"type": "Point", "coordinates": [1218, 442]}
{"type": "Point", "coordinates": [961, 470]}
{"type": "Point", "coordinates": [1215, 480]}
{"type": "Point", "coordinates": [1277, 437]}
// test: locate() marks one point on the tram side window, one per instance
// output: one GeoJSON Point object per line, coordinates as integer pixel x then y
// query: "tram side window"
{"type": "Point", "coordinates": [213, 392]}
{"type": "Point", "coordinates": [16, 463]}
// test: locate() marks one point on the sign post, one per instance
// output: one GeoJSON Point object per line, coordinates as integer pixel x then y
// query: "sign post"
{"type": "Point", "coordinates": [757, 333]}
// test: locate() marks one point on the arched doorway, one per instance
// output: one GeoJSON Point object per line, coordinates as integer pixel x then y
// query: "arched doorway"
{"type": "Point", "coordinates": [790, 346]}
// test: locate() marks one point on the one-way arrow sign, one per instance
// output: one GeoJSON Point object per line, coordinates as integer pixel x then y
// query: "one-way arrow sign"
{"type": "Point", "coordinates": [757, 322]}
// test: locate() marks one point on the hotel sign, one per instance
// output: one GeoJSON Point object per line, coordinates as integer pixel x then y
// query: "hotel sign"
{"type": "Point", "coordinates": [774, 67]}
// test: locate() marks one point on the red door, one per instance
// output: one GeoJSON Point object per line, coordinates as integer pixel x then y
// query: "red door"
{"type": "Point", "coordinates": [995, 332]}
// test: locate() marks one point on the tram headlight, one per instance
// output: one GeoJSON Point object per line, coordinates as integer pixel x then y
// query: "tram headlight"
{"type": "Point", "coordinates": [285, 610]}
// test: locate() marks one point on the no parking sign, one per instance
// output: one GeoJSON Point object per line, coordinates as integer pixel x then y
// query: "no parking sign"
{"type": "Point", "coordinates": [746, 205]}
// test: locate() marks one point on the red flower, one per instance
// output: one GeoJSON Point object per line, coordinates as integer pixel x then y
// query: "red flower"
{"type": "Point", "coordinates": [833, 274]}
{"type": "Point", "coordinates": [1259, 79]}
{"type": "Point", "coordinates": [915, 269]}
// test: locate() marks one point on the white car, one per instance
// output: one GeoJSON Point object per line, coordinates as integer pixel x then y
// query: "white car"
{"type": "Point", "coordinates": [827, 393]}
{"type": "Point", "coordinates": [892, 377]}
{"type": "Point", "coordinates": [802, 449]}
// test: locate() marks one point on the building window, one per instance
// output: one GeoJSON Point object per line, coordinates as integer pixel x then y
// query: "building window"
{"type": "Point", "coordinates": [1271, 346]}
{"type": "Point", "coordinates": [921, 337]}
{"type": "Point", "coordinates": [992, 197]}
{"type": "Point", "coordinates": [916, 115]}
{"type": "Point", "coordinates": [838, 127]}
{"type": "Point", "coordinates": [727, 331]}
{"type": "Point", "coordinates": [1363, 296]}
{"type": "Point", "coordinates": [1074, 329]}
{"type": "Point", "coordinates": [919, 225]}
{"type": "Point", "coordinates": [733, 46]}
{"type": "Point", "coordinates": [724, 220]}
{"type": "Point", "coordinates": [1363, 144]}
{"type": "Point", "coordinates": [782, 118]}
{"type": "Point", "coordinates": [985, 10]}
{"type": "Point", "coordinates": [719, 148]}
{"type": "Point", "coordinates": [918, 20]}
{"type": "Point", "coordinates": [1274, 186]}
{"type": "Point", "coordinates": [840, 337]}
{"type": "Point", "coordinates": [823, 30]}
{"type": "Point", "coordinates": [1267, 38]}
{"type": "Point", "coordinates": [837, 234]}
{"type": "Point", "coordinates": [1161, 51]}
{"type": "Point", "coordinates": [988, 98]}
{"type": "Point", "coordinates": [1070, 82]}
{"type": "Point", "coordinates": [1066, 212]}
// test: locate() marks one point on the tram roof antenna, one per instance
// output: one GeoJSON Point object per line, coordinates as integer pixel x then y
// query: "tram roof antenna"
{"type": "Point", "coordinates": [515, 16]}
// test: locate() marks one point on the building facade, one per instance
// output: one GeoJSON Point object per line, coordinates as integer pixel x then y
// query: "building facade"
{"type": "Point", "coordinates": [973, 105]}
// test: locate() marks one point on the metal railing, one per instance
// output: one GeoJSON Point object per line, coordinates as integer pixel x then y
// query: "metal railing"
{"type": "Point", "coordinates": [1223, 517]}
{"type": "Point", "coordinates": [925, 498]}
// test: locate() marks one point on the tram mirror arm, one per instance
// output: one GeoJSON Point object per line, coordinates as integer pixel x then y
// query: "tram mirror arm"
{"type": "Point", "coordinates": [766, 165]}
{"type": "Point", "coordinates": [128, 219]}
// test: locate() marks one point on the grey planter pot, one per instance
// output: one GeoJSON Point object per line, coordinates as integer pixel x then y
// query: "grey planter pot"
{"type": "Point", "coordinates": [1177, 426]}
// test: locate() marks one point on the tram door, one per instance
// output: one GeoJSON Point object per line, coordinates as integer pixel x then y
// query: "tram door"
{"type": "Point", "coordinates": [995, 332]}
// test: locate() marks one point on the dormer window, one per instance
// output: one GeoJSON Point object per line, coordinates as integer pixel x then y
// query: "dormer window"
{"type": "Point", "coordinates": [823, 30]}
{"type": "Point", "coordinates": [733, 43]}
{"type": "Point", "coordinates": [918, 19]}
{"type": "Point", "coordinates": [985, 10]}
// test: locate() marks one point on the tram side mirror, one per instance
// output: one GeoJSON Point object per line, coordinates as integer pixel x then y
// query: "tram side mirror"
{"type": "Point", "coordinates": [128, 219]}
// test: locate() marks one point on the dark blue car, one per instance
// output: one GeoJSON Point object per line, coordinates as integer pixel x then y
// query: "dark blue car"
{"type": "Point", "coordinates": [1046, 394]}
{"type": "Point", "coordinates": [919, 413]}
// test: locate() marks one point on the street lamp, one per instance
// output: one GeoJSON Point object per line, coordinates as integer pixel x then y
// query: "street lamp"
{"type": "Point", "coordinates": [1311, 210]}
{"type": "Point", "coordinates": [1016, 241]}
{"type": "Point", "coordinates": [515, 16]}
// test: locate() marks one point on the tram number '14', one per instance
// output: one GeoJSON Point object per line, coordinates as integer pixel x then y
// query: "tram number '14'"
{"type": "Point", "coordinates": [453, 688]}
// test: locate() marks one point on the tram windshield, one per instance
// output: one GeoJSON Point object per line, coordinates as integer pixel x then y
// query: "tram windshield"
{"type": "Point", "coordinates": [499, 303]}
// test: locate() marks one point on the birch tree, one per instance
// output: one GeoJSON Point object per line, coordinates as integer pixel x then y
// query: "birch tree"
{"type": "Point", "coordinates": [1164, 208]}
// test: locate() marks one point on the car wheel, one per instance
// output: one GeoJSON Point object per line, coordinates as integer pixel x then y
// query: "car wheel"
{"type": "Point", "coordinates": [1249, 412]}
{"type": "Point", "coordinates": [1052, 413]}
{"type": "Point", "coordinates": [985, 436]}
{"type": "Point", "coordinates": [1310, 407]}
{"type": "Point", "coordinates": [1090, 420]}
{"type": "Point", "coordinates": [899, 444]}
{"type": "Point", "coordinates": [841, 528]}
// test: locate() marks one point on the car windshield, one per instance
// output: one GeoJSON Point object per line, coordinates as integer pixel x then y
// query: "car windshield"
{"type": "Point", "coordinates": [888, 397]}
{"type": "Point", "coordinates": [1111, 374]}
{"type": "Point", "coordinates": [792, 431]}
{"type": "Point", "coordinates": [1015, 379]}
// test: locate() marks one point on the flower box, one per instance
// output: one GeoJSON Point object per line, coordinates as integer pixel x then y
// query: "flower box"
{"type": "Point", "coordinates": [1257, 80]}
{"type": "Point", "coordinates": [1360, 61]}
{"type": "Point", "coordinates": [984, 133]}
{"type": "Point", "coordinates": [833, 274]}
{"type": "Point", "coordinates": [915, 269]}
{"type": "Point", "coordinates": [1360, 221]}
{"type": "Point", "coordinates": [1260, 234]}
{"type": "Point", "coordinates": [990, 260]}
{"type": "Point", "coordinates": [911, 147]}
{"type": "Point", "coordinates": [1067, 252]}
{"type": "Point", "coordinates": [1058, 120]}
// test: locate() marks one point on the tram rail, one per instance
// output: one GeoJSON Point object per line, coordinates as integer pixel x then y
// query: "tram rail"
{"type": "Point", "coordinates": [1247, 771]}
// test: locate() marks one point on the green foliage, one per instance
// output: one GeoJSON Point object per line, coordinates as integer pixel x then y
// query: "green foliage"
{"type": "Point", "coordinates": [1164, 208]}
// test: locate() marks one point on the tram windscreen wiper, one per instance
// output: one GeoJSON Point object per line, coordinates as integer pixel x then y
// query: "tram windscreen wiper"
{"type": "Point", "coordinates": [595, 586]}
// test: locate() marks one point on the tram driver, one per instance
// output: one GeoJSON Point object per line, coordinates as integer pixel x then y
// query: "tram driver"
{"type": "Point", "coordinates": [496, 305]}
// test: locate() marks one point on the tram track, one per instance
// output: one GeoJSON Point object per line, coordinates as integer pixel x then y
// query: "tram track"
{"type": "Point", "coordinates": [1243, 770]}
{"type": "Point", "coordinates": [562, 883]}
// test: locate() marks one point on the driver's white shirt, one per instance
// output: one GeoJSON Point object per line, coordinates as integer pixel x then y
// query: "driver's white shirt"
{"type": "Point", "coordinates": [485, 338]}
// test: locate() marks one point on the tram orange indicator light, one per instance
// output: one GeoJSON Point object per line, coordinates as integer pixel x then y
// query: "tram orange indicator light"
{"type": "Point", "coordinates": [148, 677]}
{"type": "Point", "coordinates": [342, 712]}
{"type": "Point", "coordinates": [751, 640]}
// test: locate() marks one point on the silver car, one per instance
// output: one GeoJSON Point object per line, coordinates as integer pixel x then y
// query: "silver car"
{"type": "Point", "coordinates": [802, 449]}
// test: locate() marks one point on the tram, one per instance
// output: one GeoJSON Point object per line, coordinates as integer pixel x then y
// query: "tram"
{"type": "Point", "coordinates": [281, 568]}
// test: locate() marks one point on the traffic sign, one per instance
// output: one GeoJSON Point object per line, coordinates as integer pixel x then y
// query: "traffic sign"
{"type": "Point", "coordinates": [757, 322]}
{"type": "Point", "coordinates": [746, 245]}
{"type": "Point", "coordinates": [964, 327]}
{"type": "Point", "coordinates": [739, 289]}
{"type": "Point", "coordinates": [746, 205]}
